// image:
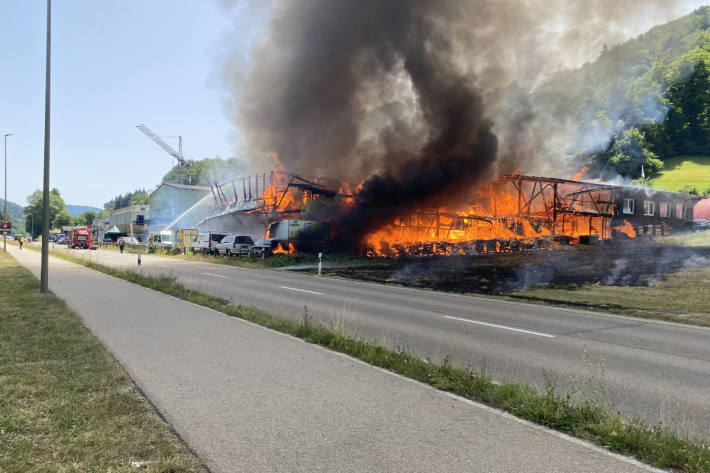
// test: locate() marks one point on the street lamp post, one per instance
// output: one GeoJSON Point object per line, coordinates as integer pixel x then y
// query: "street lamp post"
{"type": "Point", "coordinates": [4, 235]}
{"type": "Point", "coordinates": [44, 272]}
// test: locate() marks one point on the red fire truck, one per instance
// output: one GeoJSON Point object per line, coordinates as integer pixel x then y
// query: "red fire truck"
{"type": "Point", "coordinates": [80, 239]}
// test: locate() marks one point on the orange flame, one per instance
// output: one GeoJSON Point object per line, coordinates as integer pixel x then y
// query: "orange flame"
{"type": "Point", "coordinates": [499, 217]}
{"type": "Point", "coordinates": [581, 173]}
{"type": "Point", "coordinates": [285, 250]}
{"type": "Point", "coordinates": [512, 214]}
{"type": "Point", "coordinates": [627, 229]}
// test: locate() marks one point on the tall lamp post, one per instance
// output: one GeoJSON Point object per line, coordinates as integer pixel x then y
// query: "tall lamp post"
{"type": "Point", "coordinates": [4, 235]}
{"type": "Point", "coordinates": [44, 274]}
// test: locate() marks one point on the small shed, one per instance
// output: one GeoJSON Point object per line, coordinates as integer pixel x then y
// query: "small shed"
{"type": "Point", "coordinates": [113, 233]}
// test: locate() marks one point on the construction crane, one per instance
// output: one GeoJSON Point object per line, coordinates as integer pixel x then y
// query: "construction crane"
{"type": "Point", "coordinates": [175, 154]}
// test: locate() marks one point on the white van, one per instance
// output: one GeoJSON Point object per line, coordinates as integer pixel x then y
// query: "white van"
{"type": "Point", "coordinates": [206, 243]}
{"type": "Point", "coordinates": [162, 240]}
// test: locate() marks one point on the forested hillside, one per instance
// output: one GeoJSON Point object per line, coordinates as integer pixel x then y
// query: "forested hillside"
{"type": "Point", "coordinates": [15, 214]}
{"type": "Point", "coordinates": [77, 210]}
{"type": "Point", "coordinates": [137, 197]}
{"type": "Point", "coordinates": [650, 94]}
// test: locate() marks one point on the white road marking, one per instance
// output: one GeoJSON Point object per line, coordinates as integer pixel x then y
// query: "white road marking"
{"type": "Point", "coordinates": [215, 275]}
{"type": "Point", "coordinates": [300, 290]}
{"type": "Point", "coordinates": [484, 407]}
{"type": "Point", "coordinates": [504, 327]}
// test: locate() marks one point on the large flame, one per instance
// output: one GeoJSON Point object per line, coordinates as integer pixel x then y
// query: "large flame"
{"type": "Point", "coordinates": [513, 213]}
{"type": "Point", "coordinates": [507, 215]}
{"type": "Point", "coordinates": [627, 229]}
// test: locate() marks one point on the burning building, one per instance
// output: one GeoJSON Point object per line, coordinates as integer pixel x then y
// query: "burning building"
{"type": "Point", "coordinates": [512, 213]}
{"type": "Point", "coordinates": [418, 107]}
{"type": "Point", "coordinates": [517, 213]}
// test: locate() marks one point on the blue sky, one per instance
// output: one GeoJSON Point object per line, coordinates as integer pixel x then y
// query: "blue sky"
{"type": "Point", "coordinates": [115, 64]}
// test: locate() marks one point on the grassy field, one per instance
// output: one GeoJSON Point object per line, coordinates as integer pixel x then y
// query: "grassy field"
{"type": "Point", "coordinates": [699, 239]}
{"type": "Point", "coordinates": [683, 171]}
{"type": "Point", "coordinates": [589, 419]}
{"type": "Point", "coordinates": [66, 404]}
{"type": "Point", "coordinates": [681, 295]}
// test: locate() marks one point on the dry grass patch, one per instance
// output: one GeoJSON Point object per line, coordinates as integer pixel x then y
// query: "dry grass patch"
{"type": "Point", "coordinates": [681, 297]}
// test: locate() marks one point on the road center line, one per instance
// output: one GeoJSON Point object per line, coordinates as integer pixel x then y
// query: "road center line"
{"type": "Point", "coordinates": [504, 327]}
{"type": "Point", "coordinates": [300, 290]}
{"type": "Point", "coordinates": [215, 275]}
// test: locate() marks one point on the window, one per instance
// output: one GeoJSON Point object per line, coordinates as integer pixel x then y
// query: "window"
{"type": "Point", "coordinates": [628, 206]}
{"type": "Point", "coordinates": [649, 207]}
{"type": "Point", "coordinates": [679, 211]}
{"type": "Point", "coordinates": [664, 209]}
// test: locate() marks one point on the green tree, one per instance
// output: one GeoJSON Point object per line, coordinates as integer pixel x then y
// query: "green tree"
{"type": "Point", "coordinates": [686, 128]}
{"type": "Point", "coordinates": [58, 214]}
{"type": "Point", "coordinates": [627, 153]}
{"type": "Point", "coordinates": [87, 218]}
{"type": "Point", "coordinates": [63, 219]}
{"type": "Point", "coordinates": [137, 197]}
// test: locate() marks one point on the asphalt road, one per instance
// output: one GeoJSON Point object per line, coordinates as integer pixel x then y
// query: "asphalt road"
{"type": "Point", "coordinates": [246, 398]}
{"type": "Point", "coordinates": [653, 370]}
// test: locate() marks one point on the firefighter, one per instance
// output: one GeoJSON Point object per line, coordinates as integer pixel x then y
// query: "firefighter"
{"type": "Point", "coordinates": [22, 240]}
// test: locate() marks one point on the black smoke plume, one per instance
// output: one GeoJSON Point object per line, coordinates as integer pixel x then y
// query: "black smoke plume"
{"type": "Point", "coordinates": [372, 92]}
{"type": "Point", "coordinates": [413, 98]}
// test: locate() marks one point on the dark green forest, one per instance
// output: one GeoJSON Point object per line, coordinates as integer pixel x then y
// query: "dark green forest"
{"type": "Point", "coordinates": [137, 197]}
{"type": "Point", "coordinates": [653, 91]}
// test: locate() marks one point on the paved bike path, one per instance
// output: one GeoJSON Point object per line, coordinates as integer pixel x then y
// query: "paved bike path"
{"type": "Point", "coordinates": [245, 398]}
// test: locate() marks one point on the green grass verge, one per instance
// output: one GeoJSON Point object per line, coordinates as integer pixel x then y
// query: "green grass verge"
{"type": "Point", "coordinates": [590, 420]}
{"type": "Point", "coordinates": [701, 238]}
{"type": "Point", "coordinates": [65, 404]}
{"type": "Point", "coordinates": [682, 171]}
{"type": "Point", "coordinates": [682, 297]}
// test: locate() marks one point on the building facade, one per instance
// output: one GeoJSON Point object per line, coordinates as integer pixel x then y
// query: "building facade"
{"type": "Point", "coordinates": [131, 220]}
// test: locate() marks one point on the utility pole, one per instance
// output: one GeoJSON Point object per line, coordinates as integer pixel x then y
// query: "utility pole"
{"type": "Point", "coordinates": [44, 277]}
{"type": "Point", "coordinates": [4, 235]}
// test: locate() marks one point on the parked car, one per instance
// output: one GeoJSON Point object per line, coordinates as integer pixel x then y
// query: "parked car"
{"type": "Point", "coordinates": [263, 247]}
{"type": "Point", "coordinates": [700, 224]}
{"type": "Point", "coordinates": [61, 240]}
{"type": "Point", "coordinates": [235, 245]}
{"type": "Point", "coordinates": [206, 242]}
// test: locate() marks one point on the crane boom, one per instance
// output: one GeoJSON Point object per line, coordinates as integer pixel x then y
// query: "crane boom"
{"type": "Point", "coordinates": [177, 155]}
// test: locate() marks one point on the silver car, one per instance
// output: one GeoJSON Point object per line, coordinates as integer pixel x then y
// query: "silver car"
{"type": "Point", "coordinates": [235, 245]}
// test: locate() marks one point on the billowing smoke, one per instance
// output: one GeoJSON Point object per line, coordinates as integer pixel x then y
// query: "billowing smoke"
{"type": "Point", "coordinates": [417, 99]}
